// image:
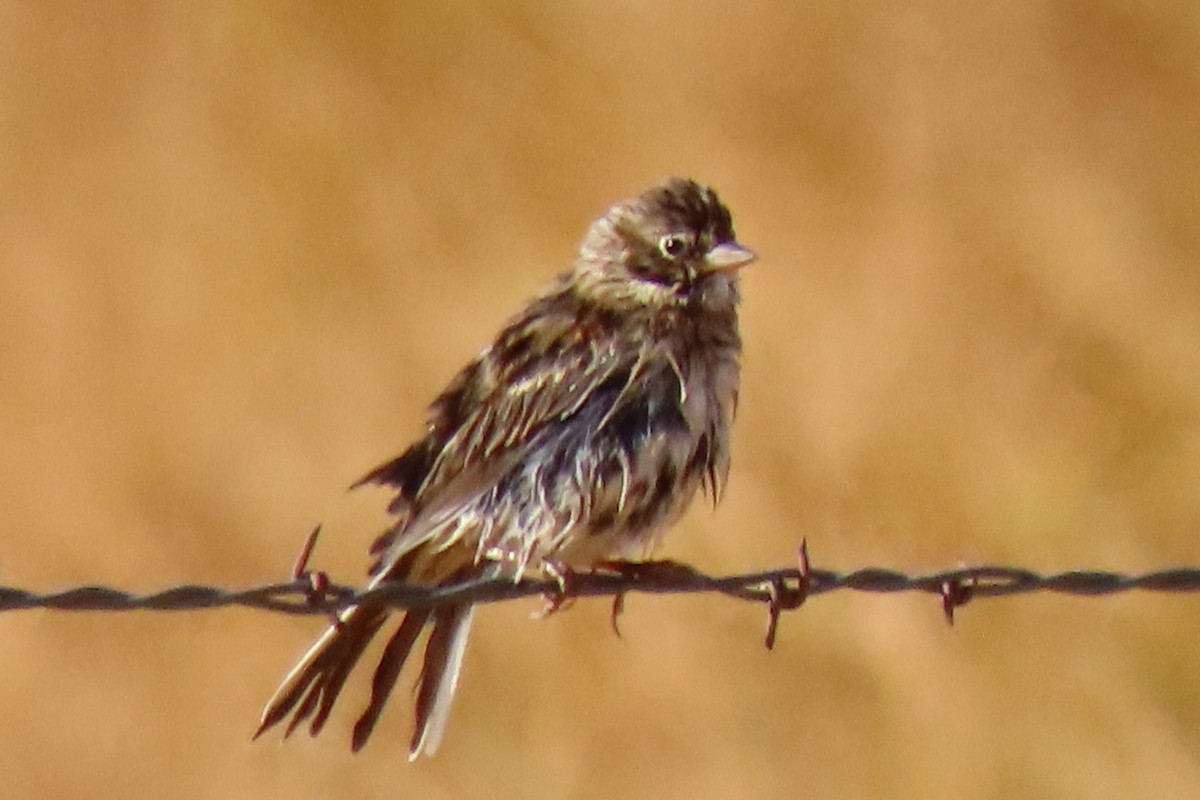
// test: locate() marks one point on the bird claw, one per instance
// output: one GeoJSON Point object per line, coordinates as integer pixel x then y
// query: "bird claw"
{"type": "Point", "coordinates": [565, 577]}
{"type": "Point", "coordinates": [659, 569]}
{"type": "Point", "coordinates": [618, 608]}
{"type": "Point", "coordinates": [955, 593]}
{"type": "Point", "coordinates": [564, 597]}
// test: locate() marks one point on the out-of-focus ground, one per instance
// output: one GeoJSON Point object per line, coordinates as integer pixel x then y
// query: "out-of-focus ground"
{"type": "Point", "coordinates": [242, 245]}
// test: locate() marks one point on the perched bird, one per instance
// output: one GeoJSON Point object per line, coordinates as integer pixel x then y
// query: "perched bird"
{"type": "Point", "coordinates": [577, 437]}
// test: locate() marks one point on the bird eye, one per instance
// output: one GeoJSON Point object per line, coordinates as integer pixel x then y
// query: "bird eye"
{"type": "Point", "coordinates": [672, 245]}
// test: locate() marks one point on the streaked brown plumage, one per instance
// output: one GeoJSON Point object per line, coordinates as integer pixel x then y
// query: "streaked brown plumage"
{"type": "Point", "coordinates": [577, 437]}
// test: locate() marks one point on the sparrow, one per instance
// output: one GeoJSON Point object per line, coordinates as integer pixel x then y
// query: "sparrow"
{"type": "Point", "coordinates": [575, 439]}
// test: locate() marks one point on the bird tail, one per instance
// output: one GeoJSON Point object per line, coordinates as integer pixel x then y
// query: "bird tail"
{"type": "Point", "coordinates": [436, 685]}
{"type": "Point", "coordinates": [312, 687]}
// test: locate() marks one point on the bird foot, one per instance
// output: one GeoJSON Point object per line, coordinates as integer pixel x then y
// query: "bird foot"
{"type": "Point", "coordinates": [566, 578]}
{"type": "Point", "coordinates": [658, 569]}
{"type": "Point", "coordinates": [564, 597]}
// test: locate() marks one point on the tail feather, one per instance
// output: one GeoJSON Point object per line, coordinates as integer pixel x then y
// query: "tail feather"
{"type": "Point", "coordinates": [337, 649]}
{"type": "Point", "coordinates": [312, 687]}
{"type": "Point", "coordinates": [323, 694]}
{"type": "Point", "coordinates": [439, 677]}
{"type": "Point", "coordinates": [386, 673]}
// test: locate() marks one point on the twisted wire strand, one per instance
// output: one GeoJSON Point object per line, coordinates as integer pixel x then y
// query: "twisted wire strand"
{"type": "Point", "coordinates": [787, 587]}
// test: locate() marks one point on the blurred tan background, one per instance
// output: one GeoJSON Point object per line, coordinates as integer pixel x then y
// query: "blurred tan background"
{"type": "Point", "coordinates": [242, 245]}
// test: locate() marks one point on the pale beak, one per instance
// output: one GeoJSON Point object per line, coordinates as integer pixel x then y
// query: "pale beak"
{"type": "Point", "coordinates": [728, 257]}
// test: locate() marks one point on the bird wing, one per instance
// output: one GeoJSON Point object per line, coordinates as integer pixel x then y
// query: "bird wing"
{"type": "Point", "coordinates": [542, 368]}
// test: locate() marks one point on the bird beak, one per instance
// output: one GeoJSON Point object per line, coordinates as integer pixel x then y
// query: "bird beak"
{"type": "Point", "coordinates": [728, 257]}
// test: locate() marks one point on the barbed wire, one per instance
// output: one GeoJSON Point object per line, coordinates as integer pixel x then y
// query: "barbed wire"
{"type": "Point", "coordinates": [780, 589]}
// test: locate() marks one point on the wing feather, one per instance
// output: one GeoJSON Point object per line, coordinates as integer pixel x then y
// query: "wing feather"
{"type": "Point", "coordinates": [542, 368]}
